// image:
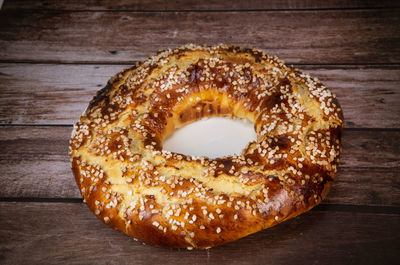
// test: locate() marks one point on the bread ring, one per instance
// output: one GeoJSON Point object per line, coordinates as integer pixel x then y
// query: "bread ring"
{"type": "Point", "coordinates": [173, 200]}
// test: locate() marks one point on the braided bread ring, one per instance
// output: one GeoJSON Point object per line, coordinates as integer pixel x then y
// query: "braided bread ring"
{"type": "Point", "coordinates": [172, 200]}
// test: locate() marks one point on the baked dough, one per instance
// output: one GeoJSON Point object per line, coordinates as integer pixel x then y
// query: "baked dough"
{"type": "Point", "coordinates": [173, 200]}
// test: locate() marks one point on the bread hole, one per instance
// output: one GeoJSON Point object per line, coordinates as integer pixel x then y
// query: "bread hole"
{"type": "Point", "coordinates": [213, 137]}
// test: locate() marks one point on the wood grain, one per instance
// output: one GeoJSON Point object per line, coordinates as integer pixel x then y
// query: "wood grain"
{"type": "Point", "coordinates": [34, 164]}
{"type": "Point", "coordinates": [60, 233]}
{"type": "Point", "coordinates": [58, 94]}
{"type": "Point", "coordinates": [49, 94]}
{"type": "Point", "coordinates": [369, 96]}
{"type": "Point", "coordinates": [193, 4]}
{"type": "Point", "coordinates": [307, 37]}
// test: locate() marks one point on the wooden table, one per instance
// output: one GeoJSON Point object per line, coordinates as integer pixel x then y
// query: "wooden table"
{"type": "Point", "coordinates": [54, 55]}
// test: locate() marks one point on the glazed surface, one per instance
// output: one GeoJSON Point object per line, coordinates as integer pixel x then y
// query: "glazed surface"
{"type": "Point", "coordinates": [172, 200]}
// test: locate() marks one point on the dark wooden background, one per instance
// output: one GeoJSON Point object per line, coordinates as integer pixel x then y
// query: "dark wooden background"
{"type": "Point", "coordinates": [54, 55]}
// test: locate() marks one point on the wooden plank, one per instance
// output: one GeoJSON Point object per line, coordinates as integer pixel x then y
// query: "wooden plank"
{"type": "Point", "coordinates": [192, 4]}
{"type": "Point", "coordinates": [369, 96]}
{"type": "Point", "coordinates": [308, 37]}
{"type": "Point", "coordinates": [34, 164]}
{"type": "Point", "coordinates": [49, 94]}
{"type": "Point", "coordinates": [366, 186]}
{"type": "Point", "coordinates": [57, 94]}
{"type": "Point", "coordinates": [67, 233]}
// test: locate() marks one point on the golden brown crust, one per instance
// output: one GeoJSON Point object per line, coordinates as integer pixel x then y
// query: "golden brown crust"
{"type": "Point", "coordinates": [172, 200]}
